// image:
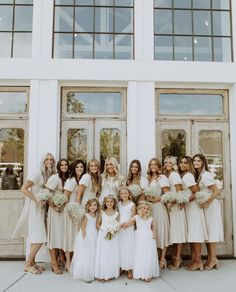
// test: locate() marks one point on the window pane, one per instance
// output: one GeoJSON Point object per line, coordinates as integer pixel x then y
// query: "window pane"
{"type": "Point", "coordinates": [210, 145]}
{"type": "Point", "coordinates": [123, 20]}
{"type": "Point", "coordinates": [221, 23]}
{"type": "Point", "coordinates": [109, 145]}
{"type": "Point", "coordinates": [77, 144]}
{"type": "Point", "coordinates": [94, 102]}
{"type": "Point", "coordinates": [63, 45]}
{"type": "Point", "coordinates": [202, 49]}
{"type": "Point", "coordinates": [84, 2]}
{"type": "Point", "coordinates": [64, 2]}
{"type": "Point", "coordinates": [163, 48]}
{"type": "Point", "coordinates": [22, 45]}
{"type": "Point", "coordinates": [220, 4]}
{"type": "Point", "coordinates": [24, 1]}
{"type": "Point", "coordinates": [6, 14]}
{"type": "Point", "coordinates": [163, 21]}
{"type": "Point", "coordinates": [182, 3]}
{"type": "Point", "coordinates": [163, 3]}
{"type": "Point", "coordinates": [103, 19]}
{"type": "Point", "coordinates": [84, 19]}
{"type": "Point", "coordinates": [222, 49]}
{"type": "Point", "coordinates": [124, 3]}
{"type": "Point", "coordinates": [103, 46]}
{"type": "Point", "coordinates": [5, 45]}
{"type": "Point", "coordinates": [104, 2]}
{"type": "Point", "coordinates": [63, 19]}
{"type": "Point", "coordinates": [183, 48]}
{"type": "Point", "coordinates": [6, 1]}
{"type": "Point", "coordinates": [124, 47]}
{"type": "Point", "coordinates": [23, 18]}
{"type": "Point", "coordinates": [202, 22]}
{"type": "Point", "coordinates": [191, 104]}
{"type": "Point", "coordinates": [202, 4]}
{"type": "Point", "coordinates": [11, 158]}
{"type": "Point", "coordinates": [83, 46]}
{"type": "Point", "coordinates": [173, 143]}
{"type": "Point", "coordinates": [183, 22]}
{"type": "Point", "coordinates": [13, 102]}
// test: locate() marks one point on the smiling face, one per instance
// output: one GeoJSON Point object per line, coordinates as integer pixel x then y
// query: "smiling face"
{"type": "Point", "coordinates": [79, 169]}
{"type": "Point", "coordinates": [93, 167]}
{"type": "Point", "coordinates": [110, 203]}
{"type": "Point", "coordinates": [93, 206]}
{"type": "Point", "coordinates": [64, 166]}
{"type": "Point", "coordinates": [168, 165]}
{"type": "Point", "coordinates": [153, 166]}
{"type": "Point", "coordinates": [110, 168]}
{"type": "Point", "coordinates": [143, 210]}
{"type": "Point", "coordinates": [124, 195]}
{"type": "Point", "coordinates": [184, 166]}
{"type": "Point", "coordinates": [134, 168]}
{"type": "Point", "coordinates": [49, 161]}
{"type": "Point", "coordinates": [198, 163]}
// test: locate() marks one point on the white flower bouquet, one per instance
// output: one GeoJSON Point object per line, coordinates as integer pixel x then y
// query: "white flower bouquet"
{"type": "Point", "coordinates": [202, 197]}
{"type": "Point", "coordinates": [75, 212]}
{"type": "Point", "coordinates": [182, 197]}
{"type": "Point", "coordinates": [44, 195]}
{"type": "Point", "coordinates": [168, 198]}
{"type": "Point", "coordinates": [135, 190]}
{"type": "Point", "coordinates": [111, 230]}
{"type": "Point", "coordinates": [151, 192]}
{"type": "Point", "coordinates": [59, 200]}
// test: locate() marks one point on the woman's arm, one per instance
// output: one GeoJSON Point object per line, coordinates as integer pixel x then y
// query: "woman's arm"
{"type": "Point", "coordinates": [83, 226]}
{"type": "Point", "coordinates": [193, 189]}
{"type": "Point", "coordinates": [67, 193]}
{"type": "Point", "coordinates": [129, 223]}
{"type": "Point", "coordinates": [80, 193]}
{"type": "Point", "coordinates": [25, 190]}
{"type": "Point", "coordinates": [133, 211]}
{"type": "Point", "coordinates": [215, 193]}
{"type": "Point", "coordinates": [99, 221]}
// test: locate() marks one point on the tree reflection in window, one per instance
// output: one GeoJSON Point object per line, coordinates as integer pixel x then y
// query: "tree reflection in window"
{"type": "Point", "coordinates": [173, 143]}
{"type": "Point", "coordinates": [77, 145]}
{"type": "Point", "coordinates": [74, 105]}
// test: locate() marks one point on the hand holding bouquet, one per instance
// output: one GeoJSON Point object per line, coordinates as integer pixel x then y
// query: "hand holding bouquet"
{"type": "Point", "coordinates": [111, 230]}
{"type": "Point", "coordinates": [43, 196]}
{"type": "Point", "coordinates": [168, 198]}
{"type": "Point", "coordinates": [151, 193]}
{"type": "Point", "coordinates": [75, 212]}
{"type": "Point", "coordinates": [59, 200]}
{"type": "Point", "coordinates": [202, 197]}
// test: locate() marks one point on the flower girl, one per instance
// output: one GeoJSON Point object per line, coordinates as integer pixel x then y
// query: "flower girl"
{"type": "Point", "coordinates": [107, 253]}
{"type": "Point", "coordinates": [82, 266]}
{"type": "Point", "coordinates": [126, 235]}
{"type": "Point", "coordinates": [145, 251]}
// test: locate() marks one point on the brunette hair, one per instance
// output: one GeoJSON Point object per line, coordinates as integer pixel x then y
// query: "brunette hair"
{"type": "Point", "coordinates": [198, 175]}
{"type": "Point", "coordinates": [130, 174]}
{"type": "Point", "coordinates": [63, 176]}
{"type": "Point", "coordinates": [73, 167]}
{"type": "Point", "coordinates": [190, 164]}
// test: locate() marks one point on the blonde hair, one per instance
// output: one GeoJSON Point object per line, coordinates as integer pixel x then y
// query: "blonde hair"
{"type": "Point", "coordinates": [130, 197]}
{"type": "Point", "coordinates": [47, 172]}
{"type": "Point", "coordinates": [88, 204]}
{"type": "Point", "coordinates": [144, 203]}
{"type": "Point", "coordinates": [104, 207]}
{"type": "Point", "coordinates": [159, 171]}
{"type": "Point", "coordinates": [173, 160]}
{"type": "Point", "coordinates": [95, 178]}
{"type": "Point", "coordinates": [115, 163]}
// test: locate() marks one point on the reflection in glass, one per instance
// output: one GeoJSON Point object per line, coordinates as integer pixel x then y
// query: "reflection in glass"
{"type": "Point", "coordinates": [6, 14]}
{"type": "Point", "coordinates": [221, 23]}
{"type": "Point", "coordinates": [103, 19]}
{"type": "Point", "coordinates": [123, 47]}
{"type": "Point", "coordinates": [77, 144]}
{"type": "Point", "coordinates": [6, 1]}
{"type": "Point", "coordinates": [94, 102]}
{"type": "Point", "coordinates": [222, 49]}
{"type": "Point", "coordinates": [104, 2]}
{"type": "Point", "coordinates": [123, 20]}
{"type": "Point", "coordinates": [24, 1]}
{"type": "Point", "coordinates": [173, 143]}
{"type": "Point", "coordinates": [23, 18]}
{"type": "Point", "coordinates": [63, 19]}
{"type": "Point", "coordinates": [182, 22]}
{"type": "Point", "coordinates": [202, 49]}
{"type": "Point", "coordinates": [124, 2]}
{"type": "Point", "coordinates": [64, 2]}
{"type": "Point", "coordinates": [210, 145]}
{"type": "Point", "coordinates": [109, 145]}
{"type": "Point", "coordinates": [22, 45]}
{"type": "Point", "coordinates": [191, 104]}
{"type": "Point", "coordinates": [182, 3]}
{"type": "Point", "coordinates": [202, 4]}
{"type": "Point", "coordinates": [83, 2]}
{"type": "Point", "coordinates": [5, 44]}
{"type": "Point", "coordinates": [163, 48]}
{"type": "Point", "coordinates": [220, 4]}
{"type": "Point", "coordinates": [84, 19]}
{"type": "Point", "coordinates": [103, 46]}
{"type": "Point", "coordinates": [11, 158]}
{"type": "Point", "coordinates": [83, 46]}
{"type": "Point", "coordinates": [63, 45]}
{"type": "Point", "coordinates": [163, 3]}
{"type": "Point", "coordinates": [202, 22]}
{"type": "Point", "coordinates": [163, 21]}
{"type": "Point", "coordinates": [183, 48]}
{"type": "Point", "coordinates": [13, 102]}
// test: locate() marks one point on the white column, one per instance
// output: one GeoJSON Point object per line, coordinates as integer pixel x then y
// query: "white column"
{"type": "Point", "coordinates": [144, 30]}
{"type": "Point", "coordinates": [141, 142]}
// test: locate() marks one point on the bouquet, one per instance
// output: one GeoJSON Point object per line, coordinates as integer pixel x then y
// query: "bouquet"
{"type": "Point", "coordinates": [75, 212]}
{"type": "Point", "coordinates": [168, 198]}
{"type": "Point", "coordinates": [43, 195]}
{"type": "Point", "coordinates": [111, 230]}
{"type": "Point", "coordinates": [135, 190]}
{"type": "Point", "coordinates": [202, 197]}
{"type": "Point", "coordinates": [150, 191]}
{"type": "Point", "coordinates": [182, 197]}
{"type": "Point", "coordinates": [59, 200]}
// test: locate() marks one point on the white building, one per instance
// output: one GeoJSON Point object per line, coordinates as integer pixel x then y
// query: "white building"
{"type": "Point", "coordinates": [133, 78]}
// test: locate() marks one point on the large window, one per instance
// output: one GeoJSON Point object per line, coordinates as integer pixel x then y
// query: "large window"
{"type": "Point", "coordinates": [193, 30]}
{"type": "Point", "coordinates": [93, 29]}
{"type": "Point", "coordinates": [16, 28]}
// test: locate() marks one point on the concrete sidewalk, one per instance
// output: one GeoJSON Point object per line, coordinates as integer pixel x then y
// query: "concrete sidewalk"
{"type": "Point", "coordinates": [13, 279]}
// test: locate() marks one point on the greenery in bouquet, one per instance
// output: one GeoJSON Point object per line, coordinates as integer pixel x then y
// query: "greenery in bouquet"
{"type": "Point", "coordinates": [111, 230]}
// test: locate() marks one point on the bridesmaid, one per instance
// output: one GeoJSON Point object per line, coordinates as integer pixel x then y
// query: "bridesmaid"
{"type": "Point", "coordinates": [78, 169]}
{"type": "Point", "coordinates": [90, 183]}
{"type": "Point", "coordinates": [33, 213]}
{"type": "Point", "coordinates": [211, 209]}
{"type": "Point", "coordinates": [111, 179]}
{"type": "Point", "coordinates": [160, 216]}
{"type": "Point", "coordinates": [196, 224]}
{"type": "Point", "coordinates": [178, 224]}
{"type": "Point", "coordinates": [55, 219]}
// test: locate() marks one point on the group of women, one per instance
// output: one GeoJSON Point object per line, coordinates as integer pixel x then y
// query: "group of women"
{"type": "Point", "coordinates": [175, 224]}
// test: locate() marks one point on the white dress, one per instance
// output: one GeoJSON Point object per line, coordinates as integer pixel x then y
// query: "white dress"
{"type": "Point", "coordinates": [110, 186]}
{"type": "Point", "coordinates": [107, 252]}
{"type": "Point", "coordinates": [212, 212]}
{"type": "Point", "coordinates": [178, 224]}
{"type": "Point", "coordinates": [83, 261]}
{"type": "Point", "coordinates": [55, 220]}
{"type": "Point", "coordinates": [70, 229]}
{"type": "Point", "coordinates": [160, 214]}
{"type": "Point", "coordinates": [126, 238]}
{"type": "Point", "coordinates": [88, 192]}
{"type": "Point", "coordinates": [196, 223]}
{"type": "Point", "coordinates": [145, 251]}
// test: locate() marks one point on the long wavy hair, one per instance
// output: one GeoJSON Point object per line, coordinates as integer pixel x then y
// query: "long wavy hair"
{"type": "Point", "coordinates": [104, 207]}
{"type": "Point", "coordinates": [47, 172]}
{"type": "Point", "coordinates": [173, 161]}
{"type": "Point", "coordinates": [203, 159]}
{"type": "Point", "coordinates": [115, 163]}
{"type": "Point", "coordinates": [159, 170]}
{"type": "Point", "coordinates": [130, 174]}
{"type": "Point", "coordinates": [88, 204]}
{"type": "Point", "coordinates": [63, 175]}
{"type": "Point", "coordinates": [190, 166]}
{"type": "Point", "coordinates": [73, 168]}
{"type": "Point", "coordinates": [95, 178]}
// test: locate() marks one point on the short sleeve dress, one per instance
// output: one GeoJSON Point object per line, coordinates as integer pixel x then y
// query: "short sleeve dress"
{"type": "Point", "coordinates": [88, 192]}
{"type": "Point", "coordinates": [111, 186]}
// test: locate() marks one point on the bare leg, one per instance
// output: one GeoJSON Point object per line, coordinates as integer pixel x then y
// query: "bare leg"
{"type": "Point", "coordinates": [67, 267]}
{"type": "Point", "coordinates": [29, 266]}
{"type": "Point", "coordinates": [177, 260]}
{"type": "Point", "coordinates": [197, 262]}
{"type": "Point", "coordinates": [162, 261]}
{"type": "Point", "coordinates": [54, 264]}
{"type": "Point", "coordinates": [212, 259]}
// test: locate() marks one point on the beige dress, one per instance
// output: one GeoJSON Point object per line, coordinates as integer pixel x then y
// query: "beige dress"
{"type": "Point", "coordinates": [88, 192]}
{"type": "Point", "coordinates": [111, 186]}
{"type": "Point", "coordinates": [55, 220]}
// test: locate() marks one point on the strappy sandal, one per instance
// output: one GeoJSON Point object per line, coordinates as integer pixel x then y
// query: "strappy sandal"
{"type": "Point", "coordinates": [40, 268]}
{"type": "Point", "coordinates": [32, 270]}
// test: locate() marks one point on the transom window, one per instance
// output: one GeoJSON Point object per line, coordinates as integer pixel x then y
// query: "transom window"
{"type": "Point", "coordinates": [193, 30]}
{"type": "Point", "coordinates": [16, 28]}
{"type": "Point", "coordinates": [93, 29]}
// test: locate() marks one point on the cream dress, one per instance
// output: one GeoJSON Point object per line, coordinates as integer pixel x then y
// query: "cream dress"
{"type": "Point", "coordinates": [111, 186]}
{"type": "Point", "coordinates": [212, 212]}
{"type": "Point", "coordinates": [196, 223]}
{"type": "Point", "coordinates": [178, 224]}
{"type": "Point", "coordinates": [70, 229]}
{"type": "Point", "coordinates": [88, 192]}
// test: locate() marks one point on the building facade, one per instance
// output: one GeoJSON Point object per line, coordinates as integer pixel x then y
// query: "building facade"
{"type": "Point", "coordinates": [131, 78]}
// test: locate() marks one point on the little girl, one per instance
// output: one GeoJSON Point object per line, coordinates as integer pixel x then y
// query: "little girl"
{"type": "Point", "coordinates": [145, 251]}
{"type": "Point", "coordinates": [126, 235]}
{"type": "Point", "coordinates": [82, 266]}
{"type": "Point", "coordinates": [107, 253]}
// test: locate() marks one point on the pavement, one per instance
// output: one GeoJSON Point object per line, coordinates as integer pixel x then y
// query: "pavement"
{"type": "Point", "coordinates": [14, 279]}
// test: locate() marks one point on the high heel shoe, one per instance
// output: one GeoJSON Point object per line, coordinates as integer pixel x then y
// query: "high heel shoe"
{"type": "Point", "coordinates": [162, 264]}
{"type": "Point", "coordinates": [211, 265]}
{"type": "Point", "coordinates": [176, 264]}
{"type": "Point", "coordinates": [195, 267]}
{"type": "Point", "coordinates": [55, 268]}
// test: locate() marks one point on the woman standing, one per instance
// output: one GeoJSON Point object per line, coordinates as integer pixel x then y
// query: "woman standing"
{"type": "Point", "coordinates": [55, 219]}
{"type": "Point", "coordinates": [197, 230]}
{"type": "Point", "coordinates": [211, 209]}
{"type": "Point", "coordinates": [78, 169]}
{"type": "Point", "coordinates": [160, 184]}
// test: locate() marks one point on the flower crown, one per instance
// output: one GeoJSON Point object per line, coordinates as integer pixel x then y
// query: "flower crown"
{"type": "Point", "coordinates": [110, 196]}
{"type": "Point", "coordinates": [144, 202]}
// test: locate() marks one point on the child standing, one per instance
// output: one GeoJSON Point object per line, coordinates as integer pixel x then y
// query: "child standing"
{"type": "Point", "coordinates": [126, 235]}
{"type": "Point", "coordinates": [107, 253]}
{"type": "Point", "coordinates": [145, 251]}
{"type": "Point", "coordinates": [82, 266]}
